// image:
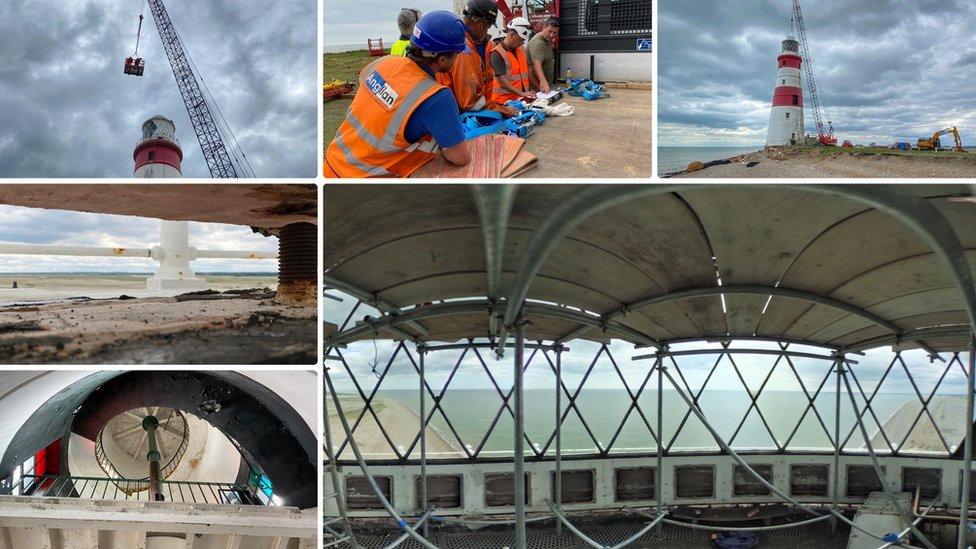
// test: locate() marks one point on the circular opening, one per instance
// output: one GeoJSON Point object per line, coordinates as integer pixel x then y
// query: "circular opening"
{"type": "Point", "coordinates": [122, 446]}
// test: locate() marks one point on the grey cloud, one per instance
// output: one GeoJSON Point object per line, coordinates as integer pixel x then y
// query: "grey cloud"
{"type": "Point", "coordinates": [54, 227]}
{"type": "Point", "coordinates": [887, 68]}
{"type": "Point", "coordinates": [66, 109]}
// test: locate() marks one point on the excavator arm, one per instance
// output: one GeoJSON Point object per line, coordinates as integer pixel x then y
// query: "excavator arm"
{"type": "Point", "coordinates": [934, 142]}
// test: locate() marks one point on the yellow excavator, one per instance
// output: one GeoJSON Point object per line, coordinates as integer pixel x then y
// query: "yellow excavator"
{"type": "Point", "coordinates": [933, 143]}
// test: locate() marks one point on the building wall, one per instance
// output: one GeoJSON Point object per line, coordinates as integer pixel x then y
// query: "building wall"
{"type": "Point", "coordinates": [617, 35]}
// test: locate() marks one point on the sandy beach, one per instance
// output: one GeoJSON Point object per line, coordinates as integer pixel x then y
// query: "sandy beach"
{"type": "Point", "coordinates": [400, 422]}
{"type": "Point", "coordinates": [53, 287]}
{"type": "Point", "coordinates": [814, 162]}
{"type": "Point", "coordinates": [923, 437]}
{"type": "Point", "coordinates": [107, 319]}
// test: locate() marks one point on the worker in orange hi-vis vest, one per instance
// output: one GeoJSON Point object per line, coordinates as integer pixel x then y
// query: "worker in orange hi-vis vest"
{"type": "Point", "coordinates": [401, 118]}
{"type": "Point", "coordinates": [511, 65]}
{"type": "Point", "coordinates": [471, 76]}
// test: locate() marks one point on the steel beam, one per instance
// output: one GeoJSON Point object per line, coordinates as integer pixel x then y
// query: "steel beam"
{"type": "Point", "coordinates": [941, 332]}
{"type": "Point", "coordinates": [436, 310]}
{"type": "Point", "coordinates": [519, 457]}
{"type": "Point", "coordinates": [885, 485]}
{"type": "Point", "coordinates": [423, 437]}
{"type": "Point", "coordinates": [369, 298]}
{"type": "Point", "coordinates": [559, 437]}
{"type": "Point", "coordinates": [967, 459]}
{"type": "Point", "coordinates": [693, 407]}
{"type": "Point", "coordinates": [365, 468]}
{"type": "Point", "coordinates": [659, 473]}
{"type": "Point", "coordinates": [838, 368]}
{"type": "Point", "coordinates": [727, 351]}
{"type": "Point", "coordinates": [494, 204]}
{"type": "Point", "coordinates": [755, 289]}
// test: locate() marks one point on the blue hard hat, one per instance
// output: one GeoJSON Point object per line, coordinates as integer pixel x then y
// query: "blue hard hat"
{"type": "Point", "coordinates": [439, 32]}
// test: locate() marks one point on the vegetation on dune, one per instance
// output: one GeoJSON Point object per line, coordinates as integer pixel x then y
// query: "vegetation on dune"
{"type": "Point", "coordinates": [342, 66]}
{"type": "Point", "coordinates": [883, 151]}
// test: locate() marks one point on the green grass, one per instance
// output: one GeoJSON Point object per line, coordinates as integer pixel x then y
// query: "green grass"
{"type": "Point", "coordinates": [881, 151]}
{"type": "Point", "coordinates": [342, 66]}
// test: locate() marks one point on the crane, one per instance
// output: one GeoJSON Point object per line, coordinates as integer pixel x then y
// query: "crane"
{"type": "Point", "coordinates": [825, 135]}
{"type": "Point", "coordinates": [934, 143]}
{"type": "Point", "coordinates": [208, 132]}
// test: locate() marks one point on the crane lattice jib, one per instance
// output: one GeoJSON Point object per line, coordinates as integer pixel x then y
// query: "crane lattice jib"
{"type": "Point", "coordinates": [212, 145]}
{"type": "Point", "coordinates": [808, 69]}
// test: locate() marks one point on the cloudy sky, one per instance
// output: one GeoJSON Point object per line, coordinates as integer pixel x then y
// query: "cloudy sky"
{"type": "Point", "coordinates": [365, 355]}
{"type": "Point", "coordinates": [353, 21]}
{"type": "Point", "coordinates": [66, 109]}
{"type": "Point", "coordinates": [55, 227]}
{"type": "Point", "coordinates": [889, 68]}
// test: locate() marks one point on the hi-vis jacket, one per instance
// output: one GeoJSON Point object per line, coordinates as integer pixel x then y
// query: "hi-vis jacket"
{"type": "Point", "coordinates": [518, 75]}
{"type": "Point", "coordinates": [370, 142]}
{"type": "Point", "coordinates": [470, 78]}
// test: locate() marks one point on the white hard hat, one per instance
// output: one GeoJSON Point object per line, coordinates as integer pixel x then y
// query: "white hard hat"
{"type": "Point", "coordinates": [521, 26]}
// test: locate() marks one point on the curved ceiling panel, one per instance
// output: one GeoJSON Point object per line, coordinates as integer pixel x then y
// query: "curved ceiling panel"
{"type": "Point", "coordinates": [425, 243]}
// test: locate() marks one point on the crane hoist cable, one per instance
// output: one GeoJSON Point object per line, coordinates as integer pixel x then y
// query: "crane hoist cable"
{"type": "Point", "coordinates": [142, 14]}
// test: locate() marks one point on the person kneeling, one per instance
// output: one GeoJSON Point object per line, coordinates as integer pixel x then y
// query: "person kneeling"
{"type": "Point", "coordinates": [401, 117]}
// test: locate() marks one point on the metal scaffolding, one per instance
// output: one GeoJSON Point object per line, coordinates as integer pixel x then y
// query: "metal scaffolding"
{"type": "Point", "coordinates": [507, 315]}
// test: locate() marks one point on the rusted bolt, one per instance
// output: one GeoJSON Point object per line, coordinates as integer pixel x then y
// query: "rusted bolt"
{"type": "Point", "coordinates": [298, 265]}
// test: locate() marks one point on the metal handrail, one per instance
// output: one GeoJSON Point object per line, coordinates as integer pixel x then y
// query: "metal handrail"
{"type": "Point", "coordinates": [106, 464]}
{"type": "Point", "coordinates": [66, 486]}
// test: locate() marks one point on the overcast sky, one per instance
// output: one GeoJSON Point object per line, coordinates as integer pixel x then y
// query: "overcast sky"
{"type": "Point", "coordinates": [353, 21]}
{"type": "Point", "coordinates": [363, 356]}
{"type": "Point", "coordinates": [66, 109]}
{"type": "Point", "coordinates": [55, 227]}
{"type": "Point", "coordinates": [888, 68]}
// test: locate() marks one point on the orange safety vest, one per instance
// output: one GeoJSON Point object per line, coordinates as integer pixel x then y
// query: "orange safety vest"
{"type": "Point", "coordinates": [470, 77]}
{"type": "Point", "coordinates": [518, 75]}
{"type": "Point", "coordinates": [370, 142]}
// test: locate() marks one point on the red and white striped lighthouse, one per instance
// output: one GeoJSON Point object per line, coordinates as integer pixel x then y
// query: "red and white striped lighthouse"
{"type": "Point", "coordinates": [158, 155]}
{"type": "Point", "coordinates": [786, 114]}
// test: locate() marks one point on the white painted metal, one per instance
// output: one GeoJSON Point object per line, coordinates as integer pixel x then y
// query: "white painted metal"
{"type": "Point", "coordinates": [541, 484]}
{"type": "Point", "coordinates": [786, 122]}
{"type": "Point", "coordinates": [29, 523]}
{"type": "Point", "coordinates": [84, 251]}
{"type": "Point", "coordinates": [173, 255]}
{"type": "Point", "coordinates": [878, 516]}
{"type": "Point", "coordinates": [608, 66]}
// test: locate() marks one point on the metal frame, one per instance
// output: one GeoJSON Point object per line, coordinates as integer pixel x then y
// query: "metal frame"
{"type": "Point", "coordinates": [784, 363]}
{"type": "Point", "coordinates": [494, 207]}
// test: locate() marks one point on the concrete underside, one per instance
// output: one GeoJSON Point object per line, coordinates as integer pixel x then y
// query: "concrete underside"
{"type": "Point", "coordinates": [238, 330]}
{"type": "Point", "coordinates": [266, 206]}
{"type": "Point", "coordinates": [64, 523]}
{"type": "Point", "coordinates": [419, 244]}
{"type": "Point", "coordinates": [608, 137]}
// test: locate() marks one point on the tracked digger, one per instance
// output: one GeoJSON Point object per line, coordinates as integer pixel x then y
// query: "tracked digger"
{"type": "Point", "coordinates": [934, 143]}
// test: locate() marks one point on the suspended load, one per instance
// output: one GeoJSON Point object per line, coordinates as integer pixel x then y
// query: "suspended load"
{"type": "Point", "coordinates": [135, 65]}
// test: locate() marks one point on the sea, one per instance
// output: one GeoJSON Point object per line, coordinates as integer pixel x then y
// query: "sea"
{"type": "Point", "coordinates": [340, 48]}
{"type": "Point", "coordinates": [673, 159]}
{"type": "Point", "coordinates": [471, 412]}
{"type": "Point", "coordinates": [51, 287]}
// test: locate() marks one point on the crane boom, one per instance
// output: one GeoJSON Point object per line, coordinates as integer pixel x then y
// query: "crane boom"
{"type": "Point", "coordinates": [825, 134]}
{"type": "Point", "coordinates": [208, 134]}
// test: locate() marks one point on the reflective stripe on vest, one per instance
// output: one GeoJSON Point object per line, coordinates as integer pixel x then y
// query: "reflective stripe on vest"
{"type": "Point", "coordinates": [370, 142]}
{"type": "Point", "coordinates": [517, 68]}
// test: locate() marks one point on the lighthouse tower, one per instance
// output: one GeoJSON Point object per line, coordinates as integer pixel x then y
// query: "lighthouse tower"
{"type": "Point", "coordinates": [786, 114]}
{"type": "Point", "coordinates": [158, 155]}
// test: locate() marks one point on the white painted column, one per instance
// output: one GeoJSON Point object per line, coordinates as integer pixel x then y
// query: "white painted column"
{"type": "Point", "coordinates": [174, 255]}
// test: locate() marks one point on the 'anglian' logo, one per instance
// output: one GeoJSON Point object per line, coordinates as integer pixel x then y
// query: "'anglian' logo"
{"type": "Point", "coordinates": [383, 91]}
